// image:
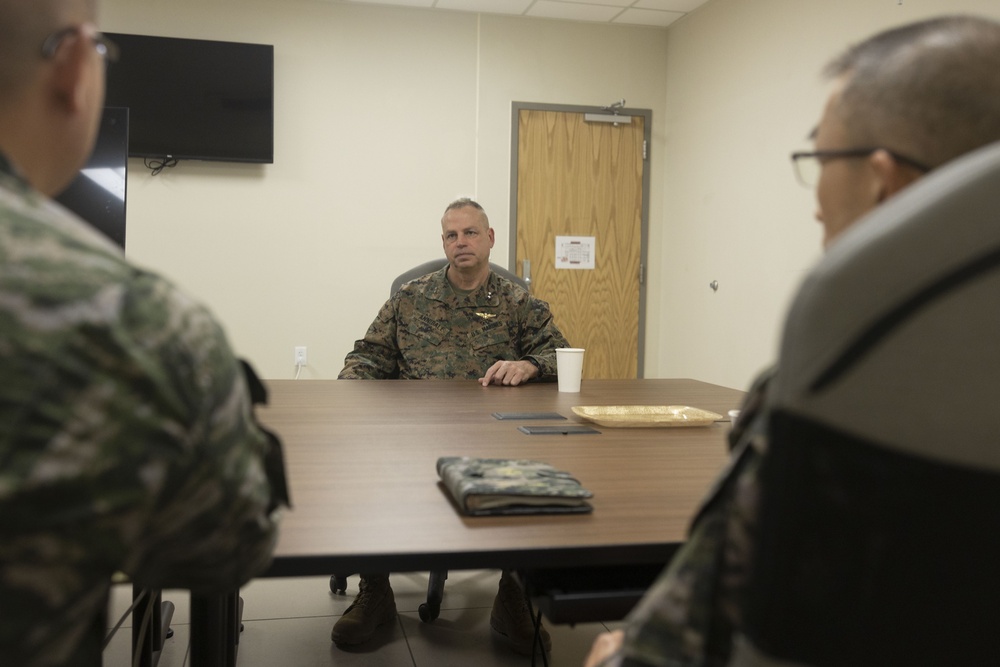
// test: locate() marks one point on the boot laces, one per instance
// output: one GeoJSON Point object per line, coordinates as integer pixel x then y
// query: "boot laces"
{"type": "Point", "coordinates": [366, 592]}
{"type": "Point", "coordinates": [515, 601]}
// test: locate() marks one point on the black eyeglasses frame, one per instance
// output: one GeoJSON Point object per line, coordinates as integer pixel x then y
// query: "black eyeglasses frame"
{"type": "Point", "coordinates": [847, 153]}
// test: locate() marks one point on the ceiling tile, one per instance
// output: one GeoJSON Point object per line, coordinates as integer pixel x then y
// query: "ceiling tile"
{"type": "Point", "coordinates": [616, 3]}
{"type": "Point", "coordinates": [403, 3]}
{"type": "Point", "coordinates": [485, 6]}
{"type": "Point", "coordinates": [573, 11]}
{"type": "Point", "coordinates": [647, 17]}
{"type": "Point", "coordinates": [634, 12]}
{"type": "Point", "coordinates": [670, 5]}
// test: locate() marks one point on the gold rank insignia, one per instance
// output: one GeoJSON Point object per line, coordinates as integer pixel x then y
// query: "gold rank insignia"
{"type": "Point", "coordinates": [486, 316]}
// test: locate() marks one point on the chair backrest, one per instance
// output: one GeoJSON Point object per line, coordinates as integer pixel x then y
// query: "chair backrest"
{"type": "Point", "coordinates": [878, 538]}
{"type": "Point", "coordinates": [436, 265]}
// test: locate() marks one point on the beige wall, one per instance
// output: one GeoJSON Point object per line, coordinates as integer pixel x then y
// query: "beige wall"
{"type": "Point", "coordinates": [382, 117]}
{"type": "Point", "coordinates": [743, 91]}
{"type": "Point", "coordinates": [385, 114]}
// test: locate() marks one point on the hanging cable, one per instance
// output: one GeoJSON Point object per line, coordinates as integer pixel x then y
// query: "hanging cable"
{"type": "Point", "coordinates": [156, 165]}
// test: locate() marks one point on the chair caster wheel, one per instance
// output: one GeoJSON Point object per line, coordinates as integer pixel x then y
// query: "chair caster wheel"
{"type": "Point", "coordinates": [427, 612]}
{"type": "Point", "coordinates": [338, 584]}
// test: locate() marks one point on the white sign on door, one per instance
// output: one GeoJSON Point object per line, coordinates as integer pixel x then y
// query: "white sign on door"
{"type": "Point", "coordinates": [575, 252]}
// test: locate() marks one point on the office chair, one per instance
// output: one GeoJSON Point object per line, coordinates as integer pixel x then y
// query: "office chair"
{"type": "Point", "coordinates": [437, 264]}
{"type": "Point", "coordinates": [878, 540]}
{"type": "Point", "coordinates": [435, 585]}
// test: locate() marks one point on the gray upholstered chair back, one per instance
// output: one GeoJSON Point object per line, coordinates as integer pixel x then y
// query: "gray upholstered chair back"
{"type": "Point", "coordinates": [902, 317]}
{"type": "Point", "coordinates": [437, 264]}
{"type": "Point", "coordinates": [878, 538]}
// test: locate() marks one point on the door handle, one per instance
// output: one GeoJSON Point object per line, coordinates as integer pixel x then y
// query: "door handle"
{"type": "Point", "coordinates": [526, 272]}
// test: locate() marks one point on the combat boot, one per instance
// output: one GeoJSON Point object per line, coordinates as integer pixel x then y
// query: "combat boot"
{"type": "Point", "coordinates": [373, 606]}
{"type": "Point", "coordinates": [511, 618]}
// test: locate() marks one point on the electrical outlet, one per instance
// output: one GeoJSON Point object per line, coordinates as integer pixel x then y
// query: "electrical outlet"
{"type": "Point", "coordinates": [300, 355]}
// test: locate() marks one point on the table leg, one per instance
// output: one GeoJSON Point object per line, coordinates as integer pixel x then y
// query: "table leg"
{"type": "Point", "coordinates": [215, 628]}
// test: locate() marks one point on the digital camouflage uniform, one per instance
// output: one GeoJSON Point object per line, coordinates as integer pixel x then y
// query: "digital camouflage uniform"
{"type": "Point", "coordinates": [689, 615]}
{"type": "Point", "coordinates": [127, 441]}
{"type": "Point", "coordinates": [498, 486]}
{"type": "Point", "coordinates": [427, 330]}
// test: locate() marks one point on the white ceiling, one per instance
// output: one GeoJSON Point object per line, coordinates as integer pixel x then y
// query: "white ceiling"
{"type": "Point", "coordinates": [660, 13]}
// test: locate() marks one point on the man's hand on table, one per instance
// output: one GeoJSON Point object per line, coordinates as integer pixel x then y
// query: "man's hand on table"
{"type": "Point", "coordinates": [509, 372]}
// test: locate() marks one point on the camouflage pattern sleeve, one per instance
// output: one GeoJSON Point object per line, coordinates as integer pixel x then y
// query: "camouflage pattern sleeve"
{"type": "Point", "coordinates": [540, 337]}
{"type": "Point", "coordinates": [126, 437]}
{"type": "Point", "coordinates": [210, 529]}
{"type": "Point", "coordinates": [376, 356]}
{"type": "Point", "coordinates": [670, 626]}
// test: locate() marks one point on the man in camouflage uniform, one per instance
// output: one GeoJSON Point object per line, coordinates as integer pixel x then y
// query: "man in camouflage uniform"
{"type": "Point", "coordinates": [463, 321]}
{"type": "Point", "coordinates": [127, 441]}
{"type": "Point", "coordinates": [902, 103]}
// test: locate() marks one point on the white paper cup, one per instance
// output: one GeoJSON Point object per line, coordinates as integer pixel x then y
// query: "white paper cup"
{"type": "Point", "coordinates": [569, 366]}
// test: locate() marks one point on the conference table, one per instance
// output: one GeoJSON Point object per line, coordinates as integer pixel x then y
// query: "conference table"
{"type": "Point", "coordinates": [361, 459]}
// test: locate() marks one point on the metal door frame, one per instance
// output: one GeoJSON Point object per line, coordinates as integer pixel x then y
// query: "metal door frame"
{"type": "Point", "coordinates": [647, 130]}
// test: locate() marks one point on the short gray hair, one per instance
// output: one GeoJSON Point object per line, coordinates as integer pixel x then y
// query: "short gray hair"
{"type": "Point", "coordinates": [465, 202]}
{"type": "Point", "coordinates": [929, 90]}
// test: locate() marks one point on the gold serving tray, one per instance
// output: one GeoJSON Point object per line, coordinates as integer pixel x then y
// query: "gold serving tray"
{"type": "Point", "coordinates": [646, 416]}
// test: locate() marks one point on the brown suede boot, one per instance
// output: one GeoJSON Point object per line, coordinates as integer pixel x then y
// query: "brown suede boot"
{"type": "Point", "coordinates": [373, 606]}
{"type": "Point", "coordinates": [512, 620]}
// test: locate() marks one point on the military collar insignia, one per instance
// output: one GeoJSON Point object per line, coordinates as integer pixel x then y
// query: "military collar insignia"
{"type": "Point", "coordinates": [486, 316]}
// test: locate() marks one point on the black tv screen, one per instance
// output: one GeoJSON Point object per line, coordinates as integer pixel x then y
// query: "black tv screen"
{"type": "Point", "coordinates": [195, 99]}
{"type": "Point", "coordinates": [97, 194]}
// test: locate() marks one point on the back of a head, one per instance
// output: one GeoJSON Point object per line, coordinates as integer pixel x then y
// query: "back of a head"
{"type": "Point", "coordinates": [23, 28]}
{"type": "Point", "coordinates": [929, 90]}
{"type": "Point", "coordinates": [21, 25]}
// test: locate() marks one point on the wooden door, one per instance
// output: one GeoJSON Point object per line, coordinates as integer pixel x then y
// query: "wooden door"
{"type": "Point", "coordinates": [585, 179]}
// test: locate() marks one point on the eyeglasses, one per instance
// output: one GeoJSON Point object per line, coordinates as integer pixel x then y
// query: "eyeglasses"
{"type": "Point", "coordinates": [104, 46]}
{"type": "Point", "coordinates": [809, 164]}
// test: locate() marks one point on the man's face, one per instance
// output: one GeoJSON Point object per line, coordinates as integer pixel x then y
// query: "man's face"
{"type": "Point", "coordinates": [467, 238]}
{"type": "Point", "coordinates": [847, 188]}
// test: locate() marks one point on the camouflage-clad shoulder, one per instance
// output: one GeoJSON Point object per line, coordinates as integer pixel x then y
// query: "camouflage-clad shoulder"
{"type": "Point", "coordinates": [65, 291]}
{"type": "Point", "coordinates": [204, 409]}
{"type": "Point", "coordinates": [125, 430]}
{"type": "Point", "coordinates": [376, 356]}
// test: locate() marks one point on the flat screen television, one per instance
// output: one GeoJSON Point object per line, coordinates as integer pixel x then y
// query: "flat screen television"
{"type": "Point", "coordinates": [195, 99]}
{"type": "Point", "coordinates": [97, 194]}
